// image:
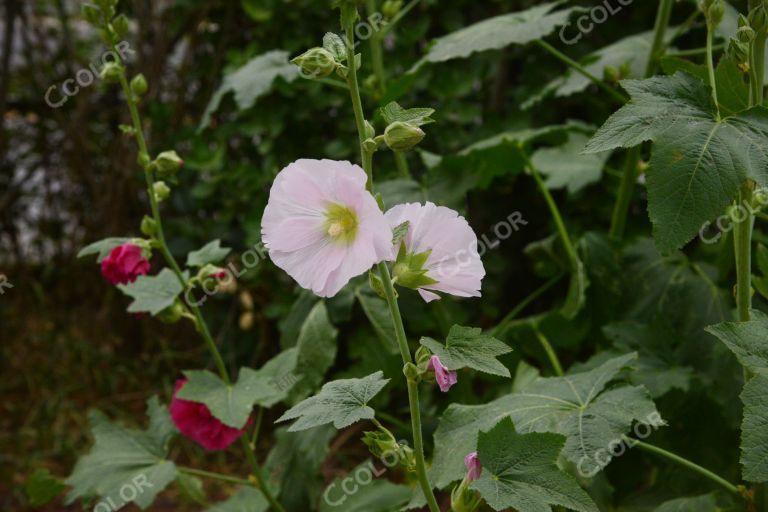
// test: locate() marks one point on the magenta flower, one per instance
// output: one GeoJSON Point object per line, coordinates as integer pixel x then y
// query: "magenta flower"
{"type": "Point", "coordinates": [124, 264]}
{"type": "Point", "coordinates": [322, 226]}
{"type": "Point", "coordinates": [474, 468]}
{"type": "Point", "coordinates": [453, 263]}
{"type": "Point", "coordinates": [444, 377]}
{"type": "Point", "coordinates": [196, 422]}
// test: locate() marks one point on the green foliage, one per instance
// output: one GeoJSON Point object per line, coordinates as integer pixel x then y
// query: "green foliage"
{"type": "Point", "coordinates": [468, 347]}
{"type": "Point", "coordinates": [699, 161]}
{"type": "Point", "coordinates": [126, 465]}
{"type": "Point", "coordinates": [341, 402]}
{"type": "Point", "coordinates": [520, 471]}
{"type": "Point", "coordinates": [41, 488]}
{"type": "Point", "coordinates": [152, 294]}
{"type": "Point", "coordinates": [212, 252]}
{"type": "Point", "coordinates": [102, 248]}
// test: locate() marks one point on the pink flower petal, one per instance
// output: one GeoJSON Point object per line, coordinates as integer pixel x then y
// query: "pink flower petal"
{"type": "Point", "coordinates": [444, 377]}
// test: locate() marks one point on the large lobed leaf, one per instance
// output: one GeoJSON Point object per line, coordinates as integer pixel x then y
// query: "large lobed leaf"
{"type": "Point", "coordinates": [498, 32]}
{"type": "Point", "coordinates": [576, 405]}
{"type": "Point", "coordinates": [341, 402]}
{"type": "Point", "coordinates": [520, 471]}
{"type": "Point", "coordinates": [698, 162]}
{"type": "Point", "coordinates": [125, 463]}
{"type": "Point", "coordinates": [152, 294]}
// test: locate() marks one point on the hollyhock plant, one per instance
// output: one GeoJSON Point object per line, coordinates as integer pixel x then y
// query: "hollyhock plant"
{"type": "Point", "coordinates": [474, 468]}
{"type": "Point", "coordinates": [196, 422]}
{"type": "Point", "coordinates": [439, 250]}
{"type": "Point", "coordinates": [322, 226]}
{"type": "Point", "coordinates": [124, 264]}
{"type": "Point", "coordinates": [444, 377]}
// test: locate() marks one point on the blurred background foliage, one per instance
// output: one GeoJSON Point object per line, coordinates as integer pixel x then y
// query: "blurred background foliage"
{"type": "Point", "coordinates": [68, 177]}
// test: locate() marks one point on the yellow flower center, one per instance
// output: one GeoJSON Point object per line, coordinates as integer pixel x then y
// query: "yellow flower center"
{"type": "Point", "coordinates": [340, 223]}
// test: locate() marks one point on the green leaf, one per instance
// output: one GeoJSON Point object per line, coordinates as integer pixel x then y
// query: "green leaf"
{"type": "Point", "coordinates": [577, 406]}
{"type": "Point", "coordinates": [191, 487]}
{"type": "Point", "coordinates": [498, 32]}
{"type": "Point", "coordinates": [704, 503]}
{"type": "Point", "coordinates": [126, 463]}
{"type": "Point", "coordinates": [468, 347]}
{"type": "Point", "coordinates": [152, 294]}
{"type": "Point", "coordinates": [567, 165]}
{"type": "Point", "coordinates": [399, 232]}
{"type": "Point", "coordinates": [341, 402]}
{"type": "Point", "coordinates": [698, 162]}
{"type": "Point", "coordinates": [41, 487]}
{"type": "Point", "coordinates": [102, 247]}
{"type": "Point", "coordinates": [754, 430]}
{"type": "Point", "coordinates": [399, 191]}
{"type": "Point", "coordinates": [393, 112]}
{"type": "Point", "coordinates": [247, 499]}
{"type": "Point", "coordinates": [520, 471]}
{"type": "Point", "coordinates": [372, 495]}
{"type": "Point", "coordinates": [316, 351]}
{"type": "Point", "coordinates": [251, 81]}
{"type": "Point", "coordinates": [377, 311]}
{"type": "Point", "coordinates": [335, 44]}
{"type": "Point", "coordinates": [232, 404]}
{"type": "Point", "coordinates": [211, 252]}
{"type": "Point", "coordinates": [293, 466]}
{"type": "Point", "coordinates": [747, 340]}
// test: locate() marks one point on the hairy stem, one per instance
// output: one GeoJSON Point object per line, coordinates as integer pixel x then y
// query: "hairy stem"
{"type": "Point", "coordinates": [686, 463]}
{"type": "Point", "coordinates": [214, 476]}
{"type": "Point", "coordinates": [550, 351]}
{"type": "Point", "coordinates": [389, 290]}
{"type": "Point", "coordinates": [711, 69]}
{"type": "Point", "coordinates": [200, 323]}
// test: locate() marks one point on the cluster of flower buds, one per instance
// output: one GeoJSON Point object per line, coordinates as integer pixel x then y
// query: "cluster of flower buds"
{"type": "Point", "coordinates": [320, 62]}
{"type": "Point", "coordinates": [101, 14]}
{"type": "Point", "coordinates": [383, 445]}
{"type": "Point", "coordinates": [430, 369]}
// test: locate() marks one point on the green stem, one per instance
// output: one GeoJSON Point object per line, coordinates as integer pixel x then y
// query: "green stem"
{"type": "Point", "coordinates": [377, 55]}
{"type": "Point", "coordinates": [629, 176]}
{"type": "Point", "coordinates": [619, 97]}
{"type": "Point", "coordinates": [570, 250]}
{"type": "Point", "coordinates": [686, 463]}
{"type": "Point", "coordinates": [501, 328]}
{"type": "Point", "coordinates": [624, 197]}
{"type": "Point", "coordinates": [742, 243]}
{"type": "Point", "coordinates": [214, 476]}
{"type": "Point", "coordinates": [551, 354]}
{"type": "Point", "coordinates": [711, 69]}
{"type": "Point", "coordinates": [389, 290]}
{"type": "Point", "coordinates": [659, 31]}
{"type": "Point", "coordinates": [200, 323]}
{"type": "Point", "coordinates": [402, 164]}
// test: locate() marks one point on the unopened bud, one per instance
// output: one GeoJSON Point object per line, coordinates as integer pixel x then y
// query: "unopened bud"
{"type": "Point", "coordinates": [161, 191]}
{"type": "Point", "coordinates": [167, 163]}
{"type": "Point", "coordinates": [111, 72]}
{"type": "Point", "coordinates": [411, 372]}
{"type": "Point", "coordinates": [391, 8]}
{"type": "Point", "coordinates": [92, 14]}
{"type": "Point", "coordinates": [120, 25]}
{"type": "Point", "coordinates": [148, 226]}
{"type": "Point", "coordinates": [139, 85]}
{"type": "Point", "coordinates": [316, 63]}
{"type": "Point", "coordinates": [172, 313]}
{"type": "Point", "coordinates": [401, 136]}
{"type": "Point", "coordinates": [246, 321]}
{"type": "Point", "coordinates": [715, 13]}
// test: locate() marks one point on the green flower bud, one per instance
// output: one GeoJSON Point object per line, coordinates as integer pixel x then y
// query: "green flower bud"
{"type": "Point", "coordinates": [715, 13]}
{"type": "Point", "coordinates": [409, 269]}
{"type": "Point", "coordinates": [464, 499]}
{"type": "Point", "coordinates": [422, 356]}
{"type": "Point", "coordinates": [758, 19]}
{"type": "Point", "coordinates": [745, 34]}
{"type": "Point", "coordinates": [370, 131]}
{"type": "Point", "coordinates": [411, 372]}
{"type": "Point", "coordinates": [120, 25]}
{"type": "Point", "coordinates": [391, 8]}
{"type": "Point", "coordinates": [401, 136]}
{"type": "Point", "coordinates": [316, 63]}
{"type": "Point", "coordinates": [161, 191]}
{"type": "Point", "coordinates": [172, 313]}
{"type": "Point", "coordinates": [148, 226]}
{"type": "Point", "coordinates": [167, 163]}
{"type": "Point", "coordinates": [111, 72]}
{"type": "Point", "coordinates": [139, 85]}
{"type": "Point", "coordinates": [92, 14]}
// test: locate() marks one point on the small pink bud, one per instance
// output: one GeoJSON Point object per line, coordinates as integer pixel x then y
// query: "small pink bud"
{"type": "Point", "coordinates": [474, 468]}
{"type": "Point", "coordinates": [445, 378]}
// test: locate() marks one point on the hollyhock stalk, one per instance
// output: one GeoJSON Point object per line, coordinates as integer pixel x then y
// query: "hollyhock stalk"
{"type": "Point", "coordinates": [159, 237]}
{"type": "Point", "coordinates": [386, 279]}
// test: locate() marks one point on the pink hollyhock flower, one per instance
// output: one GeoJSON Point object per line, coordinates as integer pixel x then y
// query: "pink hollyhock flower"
{"type": "Point", "coordinates": [444, 377]}
{"type": "Point", "coordinates": [474, 468]}
{"type": "Point", "coordinates": [322, 226]}
{"type": "Point", "coordinates": [453, 263]}
{"type": "Point", "coordinates": [196, 422]}
{"type": "Point", "coordinates": [124, 264]}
